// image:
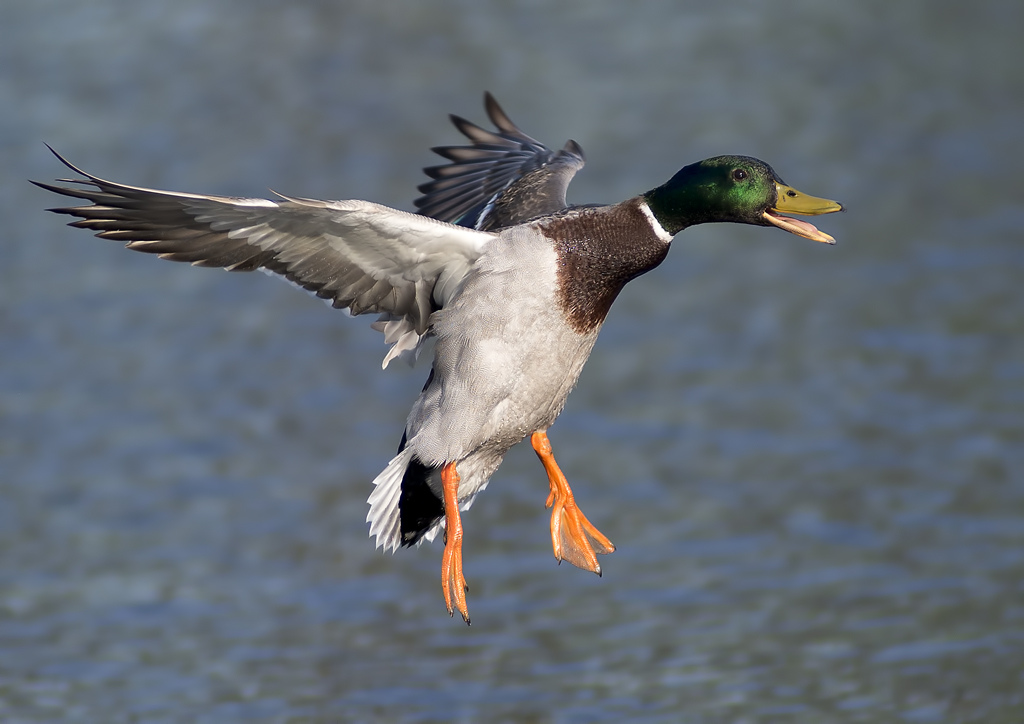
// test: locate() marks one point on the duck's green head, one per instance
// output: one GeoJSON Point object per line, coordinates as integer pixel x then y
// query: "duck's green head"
{"type": "Point", "coordinates": [739, 189]}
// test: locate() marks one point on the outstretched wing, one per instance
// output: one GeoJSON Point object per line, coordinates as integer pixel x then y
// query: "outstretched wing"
{"type": "Point", "coordinates": [503, 178]}
{"type": "Point", "coordinates": [361, 256]}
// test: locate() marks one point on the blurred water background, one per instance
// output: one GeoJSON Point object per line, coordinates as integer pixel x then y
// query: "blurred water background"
{"type": "Point", "coordinates": [809, 457]}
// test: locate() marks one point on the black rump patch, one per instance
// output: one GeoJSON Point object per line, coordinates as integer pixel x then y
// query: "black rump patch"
{"type": "Point", "coordinates": [418, 507]}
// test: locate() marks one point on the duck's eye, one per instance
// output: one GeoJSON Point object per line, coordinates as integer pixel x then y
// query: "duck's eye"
{"type": "Point", "coordinates": [738, 174]}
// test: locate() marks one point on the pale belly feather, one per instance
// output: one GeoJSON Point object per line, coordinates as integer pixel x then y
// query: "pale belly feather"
{"type": "Point", "coordinates": [504, 363]}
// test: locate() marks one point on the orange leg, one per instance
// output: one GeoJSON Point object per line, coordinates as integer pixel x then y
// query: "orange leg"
{"type": "Point", "coordinates": [573, 537]}
{"type": "Point", "coordinates": [453, 583]}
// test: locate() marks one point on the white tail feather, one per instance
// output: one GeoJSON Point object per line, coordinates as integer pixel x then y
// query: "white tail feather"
{"type": "Point", "coordinates": [384, 519]}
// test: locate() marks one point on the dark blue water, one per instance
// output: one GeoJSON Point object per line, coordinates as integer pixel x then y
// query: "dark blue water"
{"type": "Point", "coordinates": [810, 458]}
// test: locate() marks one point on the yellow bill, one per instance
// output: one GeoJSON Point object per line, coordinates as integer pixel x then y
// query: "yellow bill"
{"type": "Point", "coordinates": [791, 201]}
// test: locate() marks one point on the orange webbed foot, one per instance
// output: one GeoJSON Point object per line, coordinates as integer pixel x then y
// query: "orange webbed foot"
{"type": "Point", "coordinates": [573, 537]}
{"type": "Point", "coordinates": [453, 582]}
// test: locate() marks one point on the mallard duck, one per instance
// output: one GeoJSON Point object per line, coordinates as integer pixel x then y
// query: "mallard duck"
{"type": "Point", "coordinates": [510, 282]}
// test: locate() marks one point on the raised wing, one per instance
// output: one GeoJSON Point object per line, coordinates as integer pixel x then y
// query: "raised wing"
{"type": "Point", "coordinates": [361, 256]}
{"type": "Point", "coordinates": [503, 178]}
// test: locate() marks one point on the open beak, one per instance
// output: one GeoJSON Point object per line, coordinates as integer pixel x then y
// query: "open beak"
{"type": "Point", "coordinates": [791, 201]}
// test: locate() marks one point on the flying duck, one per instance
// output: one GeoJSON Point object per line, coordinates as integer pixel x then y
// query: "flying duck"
{"type": "Point", "coordinates": [510, 282]}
